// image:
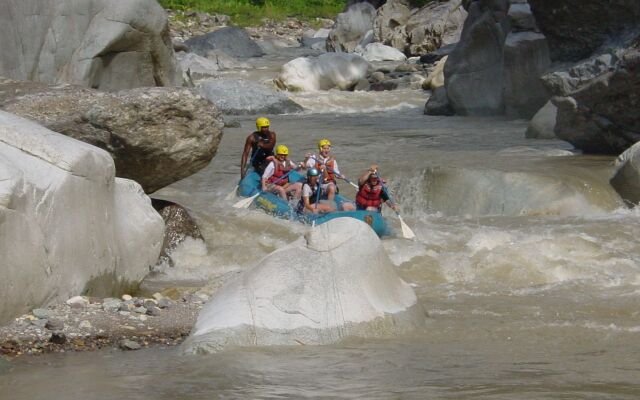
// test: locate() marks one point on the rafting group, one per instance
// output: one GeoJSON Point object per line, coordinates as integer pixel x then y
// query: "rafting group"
{"type": "Point", "coordinates": [270, 179]}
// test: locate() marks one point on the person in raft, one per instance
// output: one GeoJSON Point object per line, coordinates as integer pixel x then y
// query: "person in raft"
{"type": "Point", "coordinates": [328, 167]}
{"type": "Point", "coordinates": [372, 193]}
{"type": "Point", "coordinates": [275, 178]}
{"type": "Point", "coordinates": [312, 193]}
{"type": "Point", "coordinates": [260, 144]}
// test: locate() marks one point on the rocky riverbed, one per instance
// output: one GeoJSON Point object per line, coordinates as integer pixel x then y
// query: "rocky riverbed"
{"type": "Point", "coordinates": [89, 323]}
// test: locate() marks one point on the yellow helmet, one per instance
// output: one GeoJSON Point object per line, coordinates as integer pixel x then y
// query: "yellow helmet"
{"type": "Point", "coordinates": [282, 150]}
{"type": "Point", "coordinates": [322, 143]}
{"type": "Point", "coordinates": [262, 122]}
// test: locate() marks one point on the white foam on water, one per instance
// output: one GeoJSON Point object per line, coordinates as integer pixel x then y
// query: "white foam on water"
{"type": "Point", "coordinates": [192, 261]}
{"type": "Point", "coordinates": [342, 102]}
{"type": "Point", "coordinates": [596, 326]}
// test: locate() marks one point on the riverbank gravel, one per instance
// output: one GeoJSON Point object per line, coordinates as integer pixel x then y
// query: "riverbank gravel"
{"type": "Point", "coordinates": [88, 323]}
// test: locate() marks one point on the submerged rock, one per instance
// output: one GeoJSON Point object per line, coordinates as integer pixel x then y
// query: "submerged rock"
{"type": "Point", "coordinates": [334, 283]}
{"type": "Point", "coordinates": [239, 96]}
{"type": "Point", "coordinates": [327, 71]}
{"type": "Point", "coordinates": [626, 179]}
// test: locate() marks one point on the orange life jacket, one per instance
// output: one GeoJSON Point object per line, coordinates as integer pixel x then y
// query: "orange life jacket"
{"type": "Point", "coordinates": [279, 171]}
{"type": "Point", "coordinates": [329, 171]}
{"type": "Point", "coordinates": [369, 196]}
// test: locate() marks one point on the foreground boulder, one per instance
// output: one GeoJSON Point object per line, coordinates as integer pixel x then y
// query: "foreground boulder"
{"type": "Point", "coordinates": [67, 225]}
{"type": "Point", "coordinates": [327, 71]}
{"type": "Point", "coordinates": [156, 136]}
{"type": "Point", "coordinates": [102, 44]}
{"type": "Point", "coordinates": [626, 179]}
{"type": "Point", "coordinates": [239, 96]}
{"type": "Point", "coordinates": [335, 283]}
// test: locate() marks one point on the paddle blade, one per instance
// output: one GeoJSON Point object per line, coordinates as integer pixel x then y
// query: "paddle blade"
{"type": "Point", "coordinates": [245, 203]}
{"type": "Point", "coordinates": [232, 194]}
{"type": "Point", "coordinates": [407, 233]}
{"type": "Point", "coordinates": [353, 184]}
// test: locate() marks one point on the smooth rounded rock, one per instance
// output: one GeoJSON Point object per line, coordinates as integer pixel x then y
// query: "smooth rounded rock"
{"type": "Point", "coordinates": [334, 283]}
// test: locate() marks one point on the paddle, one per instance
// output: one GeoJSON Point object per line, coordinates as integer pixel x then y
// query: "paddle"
{"type": "Point", "coordinates": [232, 194]}
{"type": "Point", "coordinates": [337, 175]}
{"type": "Point", "coordinates": [407, 232]}
{"type": "Point", "coordinates": [245, 203]}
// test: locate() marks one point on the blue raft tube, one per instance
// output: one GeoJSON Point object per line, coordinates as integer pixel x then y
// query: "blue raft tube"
{"type": "Point", "coordinates": [274, 205]}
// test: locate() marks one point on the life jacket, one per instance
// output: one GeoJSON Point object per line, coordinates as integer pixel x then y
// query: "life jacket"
{"type": "Point", "coordinates": [369, 196]}
{"type": "Point", "coordinates": [312, 199]}
{"type": "Point", "coordinates": [329, 172]}
{"type": "Point", "coordinates": [260, 159]}
{"type": "Point", "coordinates": [279, 171]}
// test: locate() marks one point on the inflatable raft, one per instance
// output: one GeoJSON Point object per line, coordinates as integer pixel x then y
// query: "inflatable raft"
{"type": "Point", "coordinates": [274, 205]}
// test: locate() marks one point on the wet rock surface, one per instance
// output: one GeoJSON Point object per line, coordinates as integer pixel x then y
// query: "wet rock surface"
{"type": "Point", "coordinates": [156, 136]}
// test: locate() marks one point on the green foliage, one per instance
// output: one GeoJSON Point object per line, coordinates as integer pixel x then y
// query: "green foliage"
{"type": "Point", "coordinates": [251, 12]}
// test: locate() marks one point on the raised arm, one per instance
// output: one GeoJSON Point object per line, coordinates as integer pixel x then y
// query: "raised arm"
{"type": "Point", "coordinates": [248, 144]}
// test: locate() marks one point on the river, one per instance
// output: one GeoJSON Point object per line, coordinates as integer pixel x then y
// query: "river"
{"type": "Point", "coordinates": [526, 261]}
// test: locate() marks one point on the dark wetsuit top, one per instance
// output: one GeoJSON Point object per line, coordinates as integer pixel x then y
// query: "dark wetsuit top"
{"type": "Point", "coordinates": [260, 161]}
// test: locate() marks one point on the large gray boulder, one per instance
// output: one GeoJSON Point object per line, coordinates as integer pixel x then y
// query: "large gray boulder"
{"type": "Point", "coordinates": [102, 44]}
{"type": "Point", "coordinates": [577, 28]}
{"type": "Point", "coordinates": [626, 179]}
{"type": "Point", "coordinates": [389, 24]}
{"type": "Point", "coordinates": [336, 282]}
{"type": "Point", "coordinates": [598, 100]}
{"type": "Point", "coordinates": [67, 225]}
{"type": "Point", "coordinates": [350, 27]}
{"type": "Point", "coordinates": [474, 72]}
{"type": "Point", "coordinates": [156, 136]}
{"type": "Point", "coordinates": [494, 70]}
{"type": "Point", "coordinates": [239, 96]}
{"type": "Point", "coordinates": [526, 59]}
{"type": "Point", "coordinates": [435, 25]}
{"type": "Point", "coordinates": [230, 40]}
{"type": "Point", "coordinates": [421, 30]}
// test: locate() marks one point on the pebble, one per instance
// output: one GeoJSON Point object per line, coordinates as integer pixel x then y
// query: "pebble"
{"type": "Point", "coordinates": [54, 324]}
{"type": "Point", "coordinates": [154, 311]}
{"type": "Point", "coordinates": [165, 303]}
{"type": "Point", "coordinates": [157, 296]}
{"type": "Point", "coordinates": [40, 323]}
{"type": "Point", "coordinates": [127, 344]}
{"type": "Point", "coordinates": [110, 304]}
{"type": "Point", "coordinates": [126, 297]}
{"type": "Point", "coordinates": [140, 310]}
{"type": "Point", "coordinates": [77, 302]}
{"type": "Point", "coordinates": [58, 338]}
{"type": "Point", "coordinates": [85, 325]}
{"type": "Point", "coordinates": [150, 303]}
{"type": "Point", "coordinates": [41, 313]}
